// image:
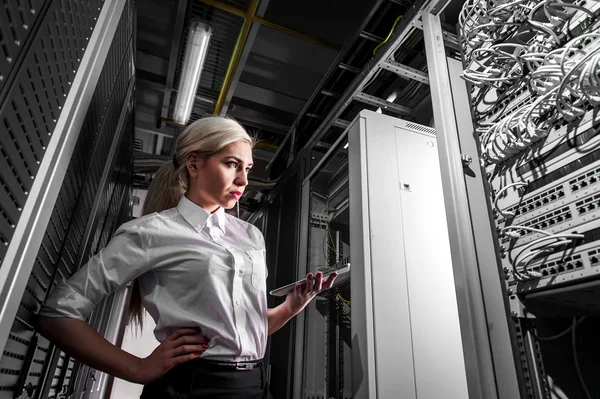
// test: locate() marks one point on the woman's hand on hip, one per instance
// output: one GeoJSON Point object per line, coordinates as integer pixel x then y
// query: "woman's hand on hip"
{"type": "Point", "coordinates": [304, 293]}
{"type": "Point", "coordinates": [182, 346]}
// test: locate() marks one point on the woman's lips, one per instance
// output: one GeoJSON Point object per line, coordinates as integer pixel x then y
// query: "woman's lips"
{"type": "Point", "coordinates": [236, 194]}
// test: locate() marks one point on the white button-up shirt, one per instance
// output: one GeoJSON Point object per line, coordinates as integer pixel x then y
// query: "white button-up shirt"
{"type": "Point", "coordinates": [195, 269]}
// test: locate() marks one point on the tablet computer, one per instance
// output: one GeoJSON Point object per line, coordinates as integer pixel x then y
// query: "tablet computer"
{"type": "Point", "coordinates": [343, 274]}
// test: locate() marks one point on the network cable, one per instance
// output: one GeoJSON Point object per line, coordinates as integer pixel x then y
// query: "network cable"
{"type": "Point", "coordinates": [499, 194]}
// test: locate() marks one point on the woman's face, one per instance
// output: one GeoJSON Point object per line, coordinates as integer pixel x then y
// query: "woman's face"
{"type": "Point", "coordinates": [219, 180]}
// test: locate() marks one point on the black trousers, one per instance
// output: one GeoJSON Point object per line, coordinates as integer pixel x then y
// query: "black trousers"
{"type": "Point", "coordinates": [198, 379]}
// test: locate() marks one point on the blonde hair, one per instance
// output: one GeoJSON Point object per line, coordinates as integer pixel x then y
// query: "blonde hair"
{"type": "Point", "coordinates": [206, 137]}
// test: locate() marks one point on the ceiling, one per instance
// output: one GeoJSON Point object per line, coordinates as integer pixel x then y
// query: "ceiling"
{"type": "Point", "coordinates": [287, 56]}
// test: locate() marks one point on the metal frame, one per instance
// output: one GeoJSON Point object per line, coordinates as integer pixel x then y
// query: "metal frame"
{"type": "Point", "coordinates": [492, 286]}
{"type": "Point", "coordinates": [23, 248]}
{"type": "Point", "coordinates": [299, 364]}
{"type": "Point", "coordinates": [482, 383]}
{"type": "Point", "coordinates": [406, 26]}
{"type": "Point", "coordinates": [405, 71]}
{"type": "Point", "coordinates": [380, 102]}
{"type": "Point", "coordinates": [337, 63]}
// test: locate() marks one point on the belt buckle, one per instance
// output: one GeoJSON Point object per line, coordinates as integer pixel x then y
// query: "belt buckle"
{"type": "Point", "coordinates": [244, 366]}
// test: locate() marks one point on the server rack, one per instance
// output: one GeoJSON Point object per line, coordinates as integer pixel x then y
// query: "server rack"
{"type": "Point", "coordinates": [66, 102]}
{"type": "Point", "coordinates": [511, 357]}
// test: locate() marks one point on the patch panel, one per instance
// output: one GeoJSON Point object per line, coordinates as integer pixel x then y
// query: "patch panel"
{"type": "Point", "coordinates": [594, 257]}
{"type": "Point", "coordinates": [566, 178]}
{"type": "Point", "coordinates": [585, 181]}
{"type": "Point", "coordinates": [554, 222]}
{"type": "Point", "coordinates": [563, 137]}
{"type": "Point", "coordinates": [588, 205]}
{"type": "Point", "coordinates": [578, 260]}
{"type": "Point", "coordinates": [540, 200]}
{"type": "Point", "coordinates": [559, 195]}
{"type": "Point", "coordinates": [566, 218]}
{"type": "Point", "coordinates": [570, 188]}
{"type": "Point", "coordinates": [559, 137]}
{"type": "Point", "coordinates": [568, 264]}
{"type": "Point", "coordinates": [558, 269]}
{"type": "Point", "coordinates": [536, 168]}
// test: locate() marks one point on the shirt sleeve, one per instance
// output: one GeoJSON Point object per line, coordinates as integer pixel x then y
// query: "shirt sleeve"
{"type": "Point", "coordinates": [122, 260]}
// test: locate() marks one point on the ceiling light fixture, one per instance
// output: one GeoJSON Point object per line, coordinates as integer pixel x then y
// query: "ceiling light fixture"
{"type": "Point", "coordinates": [193, 60]}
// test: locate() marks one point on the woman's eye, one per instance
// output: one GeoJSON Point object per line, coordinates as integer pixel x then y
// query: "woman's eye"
{"type": "Point", "coordinates": [232, 164]}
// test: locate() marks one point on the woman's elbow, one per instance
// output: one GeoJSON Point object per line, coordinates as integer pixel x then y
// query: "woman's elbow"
{"type": "Point", "coordinates": [41, 324]}
{"type": "Point", "coordinates": [47, 325]}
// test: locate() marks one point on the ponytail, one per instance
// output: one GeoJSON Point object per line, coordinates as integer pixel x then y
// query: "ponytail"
{"type": "Point", "coordinates": [206, 136]}
{"type": "Point", "coordinates": [165, 191]}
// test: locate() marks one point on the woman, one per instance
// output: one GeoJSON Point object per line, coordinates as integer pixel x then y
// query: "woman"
{"type": "Point", "coordinates": [198, 271]}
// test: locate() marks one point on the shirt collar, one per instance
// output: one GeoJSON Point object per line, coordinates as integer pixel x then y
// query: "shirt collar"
{"type": "Point", "coordinates": [198, 216]}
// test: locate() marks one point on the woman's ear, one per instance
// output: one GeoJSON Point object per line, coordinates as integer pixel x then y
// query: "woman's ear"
{"type": "Point", "coordinates": [193, 163]}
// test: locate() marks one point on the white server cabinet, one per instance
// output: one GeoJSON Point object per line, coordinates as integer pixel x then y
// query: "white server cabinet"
{"type": "Point", "coordinates": [406, 338]}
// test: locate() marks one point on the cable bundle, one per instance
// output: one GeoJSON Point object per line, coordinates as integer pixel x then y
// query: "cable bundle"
{"type": "Point", "coordinates": [532, 65]}
{"type": "Point", "coordinates": [510, 44]}
{"type": "Point", "coordinates": [564, 85]}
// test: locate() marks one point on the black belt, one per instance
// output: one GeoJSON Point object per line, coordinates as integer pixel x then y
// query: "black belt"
{"type": "Point", "coordinates": [250, 365]}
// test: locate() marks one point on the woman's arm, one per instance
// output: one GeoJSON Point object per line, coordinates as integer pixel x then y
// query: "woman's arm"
{"type": "Point", "coordinates": [278, 317]}
{"type": "Point", "coordinates": [79, 340]}
{"type": "Point", "coordinates": [297, 300]}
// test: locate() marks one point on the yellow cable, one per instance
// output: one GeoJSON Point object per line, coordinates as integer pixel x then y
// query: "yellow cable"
{"type": "Point", "coordinates": [347, 302]}
{"type": "Point", "coordinates": [389, 34]}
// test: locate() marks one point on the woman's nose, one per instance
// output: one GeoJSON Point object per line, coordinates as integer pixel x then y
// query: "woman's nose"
{"type": "Point", "coordinates": [242, 179]}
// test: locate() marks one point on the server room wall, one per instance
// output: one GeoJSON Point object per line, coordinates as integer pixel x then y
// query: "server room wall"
{"type": "Point", "coordinates": [534, 71]}
{"type": "Point", "coordinates": [42, 47]}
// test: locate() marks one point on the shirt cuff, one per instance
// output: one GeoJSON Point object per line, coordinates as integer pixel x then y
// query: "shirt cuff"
{"type": "Point", "coordinates": [64, 301]}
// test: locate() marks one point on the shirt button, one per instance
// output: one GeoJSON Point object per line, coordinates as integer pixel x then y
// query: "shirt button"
{"type": "Point", "coordinates": [237, 302]}
{"type": "Point", "coordinates": [243, 334]}
{"type": "Point", "coordinates": [241, 272]}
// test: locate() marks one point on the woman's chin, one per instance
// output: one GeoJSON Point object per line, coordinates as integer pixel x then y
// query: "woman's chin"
{"type": "Point", "coordinates": [229, 204]}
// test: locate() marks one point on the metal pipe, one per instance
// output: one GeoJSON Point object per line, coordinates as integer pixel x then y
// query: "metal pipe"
{"type": "Point", "coordinates": [301, 35]}
{"type": "Point", "coordinates": [237, 52]}
{"type": "Point", "coordinates": [254, 18]}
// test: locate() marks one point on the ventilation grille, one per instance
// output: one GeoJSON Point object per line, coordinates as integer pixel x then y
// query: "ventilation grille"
{"type": "Point", "coordinates": [18, 19]}
{"type": "Point", "coordinates": [138, 145]}
{"type": "Point", "coordinates": [420, 128]}
{"type": "Point", "coordinates": [31, 101]}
